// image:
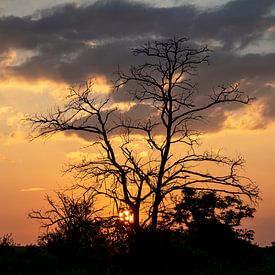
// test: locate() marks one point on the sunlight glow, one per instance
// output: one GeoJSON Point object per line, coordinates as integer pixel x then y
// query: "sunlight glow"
{"type": "Point", "coordinates": [32, 189]}
{"type": "Point", "coordinates": [126, 216]}
{"type": "Point", "coordinates": [249, 118]}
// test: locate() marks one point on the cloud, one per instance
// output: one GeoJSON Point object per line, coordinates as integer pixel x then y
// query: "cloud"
{"type": "Point", "coordinates": [236, 23]}
{"type": "Point", "coordinates": [32, 189]}
{"type": "Point", "coordinates": [74, 41]}
{"type": "Point", "coordinates": [69, 43]}
{"type": "Point", "coordinates": [2, 158]}
{"type": "Point", "coordinates": [62, 36]}
{"type": "Point", "coordinates": [77, 156]}
{"type": "Point", "coordinates": [10, 125]}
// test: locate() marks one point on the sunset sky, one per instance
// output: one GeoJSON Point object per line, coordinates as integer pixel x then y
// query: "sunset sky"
{"type": "Point", "coordinates": [47, 46]}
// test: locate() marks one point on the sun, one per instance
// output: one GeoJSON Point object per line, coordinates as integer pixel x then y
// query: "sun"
{"type": "Point", "coordinates": [126, 216]}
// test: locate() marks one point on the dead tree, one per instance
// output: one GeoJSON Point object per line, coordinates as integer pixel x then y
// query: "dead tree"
{"type": "Point", "coordinates": [164, 82]}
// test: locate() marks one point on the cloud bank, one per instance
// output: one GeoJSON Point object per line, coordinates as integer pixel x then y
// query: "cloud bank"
{"type": "Point", "coordinates": [69, 43]}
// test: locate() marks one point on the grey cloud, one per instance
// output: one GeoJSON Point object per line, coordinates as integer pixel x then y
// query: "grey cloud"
{"type": "Point", "coordinates": [252, 71]}
{"type": "Point", "coordinates": [239, 21]}
{"type": "Point", "coordinates": [134, 115]}
{"type": "Point", "coordinates": [269, 110]}
{"type": "Point", "coordinates": [212, 121]}
{"type": "Point", "coordinates": [60, 36]}
{"type": "Point", "coordinates": [228, 67]}
{"type": "Point", "coordinates": [102, 20]}
{"type": "Point", "coordinates": [79, 64]}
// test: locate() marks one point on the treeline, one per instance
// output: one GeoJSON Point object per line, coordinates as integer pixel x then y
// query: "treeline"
{"type": "Point", "coordinates": [200, 235]}
{"type": "Point", "coordinates": [161, 253]}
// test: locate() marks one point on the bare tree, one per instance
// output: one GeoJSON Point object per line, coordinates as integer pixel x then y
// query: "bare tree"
{"type": "Point", "coordinates": [163, 83]}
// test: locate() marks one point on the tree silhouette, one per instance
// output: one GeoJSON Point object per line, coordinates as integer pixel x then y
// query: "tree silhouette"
{"type": "Point", "coordinates": [164, 83]}
{"type": "Point", "coordinates": [210, 221]}
{"type": "Point", "coordinates": [201, 206]}
{"type": "Point", "coordinates": [7, 246]}
{"type": "Point", "coordinates": [6, 240]}
{"type": "Point", "coordinates": [202, 214]}
{"type": "Point", "coordinates": [71, 225]}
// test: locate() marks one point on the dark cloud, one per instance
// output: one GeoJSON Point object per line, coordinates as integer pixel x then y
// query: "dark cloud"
{"type": "Point", "coordinates": [73, 42]}
{"type": "Point", "coordinates": [78, 64]}
{"type": "Point", "coordinates": [212, 121]}
{"type": "Point", "coordinates": [237, 22]}
{"type": "Point", "coordinates": [229, 67]}
{"type": "Point", "coordinates": [61, 35]}
{"type": "Point", "coordinates": [133, 116]}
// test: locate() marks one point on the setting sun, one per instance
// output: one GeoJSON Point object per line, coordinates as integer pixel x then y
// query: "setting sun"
{"type": "Point", "coordinates": [126, 216]}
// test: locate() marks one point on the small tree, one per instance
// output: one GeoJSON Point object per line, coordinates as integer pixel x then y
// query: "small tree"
{"type": "Point", "coordinates": [165, 84]}
{"type": "Point", "coordinates": [201, 206]}
{"type": "Point", "coordinates": [71, 224]}
{"type": "Point", "coordinates": [7, 244]}
{"type": "Point", "coordinates": [6, 240]}
{"type": "Point", "coordinates": [210, 221]}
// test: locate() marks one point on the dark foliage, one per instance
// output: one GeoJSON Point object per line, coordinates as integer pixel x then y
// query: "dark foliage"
{"type": "Point", "coordinates": [156, 252]}
{"type": "Point", "coordinates": [73, 232]}
{"type": "Point", "coordinates": [197, 210]}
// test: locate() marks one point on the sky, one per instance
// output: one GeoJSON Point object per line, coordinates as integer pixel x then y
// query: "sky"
{"type": "Point", "coordinates": [47, 46]}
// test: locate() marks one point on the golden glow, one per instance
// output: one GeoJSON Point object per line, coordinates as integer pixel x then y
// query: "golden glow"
{"type": "Point", "coordinates": [58, 90]}
{"type": "Point", "coordinates": [271, 29]}
{"type": "Point", "coordinates": [246, 119]}
{"type": "Point", "coordinates": [126, 216]}
{"type": "Point", "coordinates": [49, 91]}
{"type": "Point", "coordinates": [4, 110]}
{"type": "Point", "coordinates": [122, 106]}
{"type": "Point", "coordinates": [100, 85]}
{"type": "Point", "coordinates": [32, 189]}
{"type": "Point", "coordinates": [16, 57]}
{"type": "Point", "coordinates": [78, 156]}
{"type": "Point", "coordinates": [91, 43]}
{"type": "Point", "coordinates": [177, 78]}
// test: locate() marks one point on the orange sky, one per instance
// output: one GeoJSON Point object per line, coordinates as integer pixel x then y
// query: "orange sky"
{"type": "Point", "coordinates": [43, 52]}
{"type": "Point", "coordinates": [29, 170]}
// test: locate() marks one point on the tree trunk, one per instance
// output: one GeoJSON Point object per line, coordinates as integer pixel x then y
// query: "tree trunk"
{"type": "Point", "coordinates": [134, 231]}
{"type": "Point", "coordinates": [136, 225]}
{"type": "Point", "coordinates": [155, 211]}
